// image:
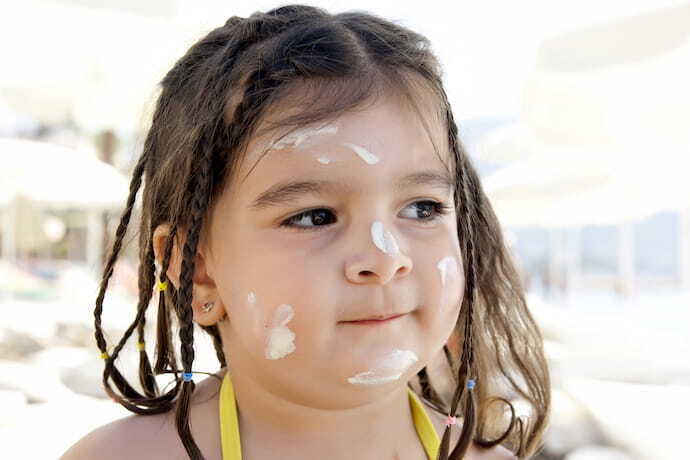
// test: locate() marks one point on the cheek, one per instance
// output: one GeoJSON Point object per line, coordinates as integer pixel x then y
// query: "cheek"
{"type": "Point", "coordinates": [285, 321]}
{"type": "Point", "coordinates": [452, 280]}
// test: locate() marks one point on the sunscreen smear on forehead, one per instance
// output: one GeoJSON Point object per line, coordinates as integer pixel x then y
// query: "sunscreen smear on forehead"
{"type": "Point", "coordinates": [363, 153]}
{"type": "Point", "coordinates": [300, 135]}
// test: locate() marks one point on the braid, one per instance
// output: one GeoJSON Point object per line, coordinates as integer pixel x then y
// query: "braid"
{"type": "Point", "coordinates": [165, 352]}
{"type": "Point", "coordinates": [465, 220]}
{"type": "Point", "coordinates": [147, 278]}
{"type": "Point", "coordinates": [119, 236]}
{"type": "Point", "coordinates": [119, 380]}
{"type": "Point", "coordinates": [184, 304]}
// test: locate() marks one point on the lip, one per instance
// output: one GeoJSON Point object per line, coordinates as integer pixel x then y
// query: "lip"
{"type": "Point", "coordinates": [375, 322]}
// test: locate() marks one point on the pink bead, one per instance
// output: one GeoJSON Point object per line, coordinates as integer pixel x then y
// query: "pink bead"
{"type": "Point", "coordinates": [450, 420]}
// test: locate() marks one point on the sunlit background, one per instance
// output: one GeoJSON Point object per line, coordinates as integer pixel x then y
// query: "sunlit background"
{"type": "Point", "coordinates": [576, 114]}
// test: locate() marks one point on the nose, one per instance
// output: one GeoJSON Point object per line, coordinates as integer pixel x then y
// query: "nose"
{"type": "Point", "coordinates": [373, 265]}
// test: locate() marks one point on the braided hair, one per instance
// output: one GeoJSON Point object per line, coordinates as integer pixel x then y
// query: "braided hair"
{"type": "Point", "coordinates": [210, 105]}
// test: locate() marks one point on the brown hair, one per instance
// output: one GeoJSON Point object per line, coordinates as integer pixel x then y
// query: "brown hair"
{"type": "Point", "coordinates": [210, 105]}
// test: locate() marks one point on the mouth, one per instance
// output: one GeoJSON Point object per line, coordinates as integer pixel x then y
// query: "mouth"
{"type": "Point", "coordinates": [374, 321]}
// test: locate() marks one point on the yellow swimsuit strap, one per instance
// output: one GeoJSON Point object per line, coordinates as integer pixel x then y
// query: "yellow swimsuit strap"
{"type": "Point", "coordinates": [230, 429]}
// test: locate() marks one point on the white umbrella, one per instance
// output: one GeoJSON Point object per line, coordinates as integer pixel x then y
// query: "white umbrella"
{"type": "Point", "coordinates": [58, 177]}
{"type": "Point", "coordinates": [604, 126]}
{"type": "Point", "coordinates": [96, 67]}
{"type": "Point", "coordinates": [52, 177]}
{"type": "Point", "coordinates": [587, 188]}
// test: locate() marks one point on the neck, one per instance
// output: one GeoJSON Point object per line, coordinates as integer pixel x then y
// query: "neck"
{"type": "Point", "coordinates": [271, 423]}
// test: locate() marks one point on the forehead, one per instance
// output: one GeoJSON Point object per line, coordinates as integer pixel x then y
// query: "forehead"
{"type": "Point", "coordinates": [387, 132]}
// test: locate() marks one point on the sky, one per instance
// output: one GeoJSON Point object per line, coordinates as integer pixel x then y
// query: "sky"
{"type": "Point", "coordinates": [111, 53]}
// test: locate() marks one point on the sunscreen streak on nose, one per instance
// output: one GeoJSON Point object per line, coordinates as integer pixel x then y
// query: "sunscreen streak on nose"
{"type": "Point", "coordinates": [363, 153]}
{"type": "Point", "coordinates": [299, 136]}
{"type": "Point", "coordinates": [383, 239]}
{"type": "Point", "coordinates": [280, 340]}
{"type": "Point", "coordinates": [391, 367]}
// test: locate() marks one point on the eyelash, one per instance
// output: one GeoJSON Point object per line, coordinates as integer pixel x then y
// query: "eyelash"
{"type": "Point", "coordinates": [440, 210]}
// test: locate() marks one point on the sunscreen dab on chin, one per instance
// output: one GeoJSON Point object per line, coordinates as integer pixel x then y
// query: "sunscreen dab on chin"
{"type": "Point", "coordinates": [389, 368]}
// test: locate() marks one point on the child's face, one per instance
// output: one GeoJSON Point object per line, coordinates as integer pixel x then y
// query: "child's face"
{"type": "Point", "coordinates": [365, 251]}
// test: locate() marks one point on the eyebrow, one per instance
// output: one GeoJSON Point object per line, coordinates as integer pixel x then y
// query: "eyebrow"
{"type": "Point", "coordinates": [284, 193]}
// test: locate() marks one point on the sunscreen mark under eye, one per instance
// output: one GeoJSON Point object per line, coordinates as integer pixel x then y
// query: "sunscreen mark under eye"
{"type": "Point", "coordinates": [389, 368]}
{"type": "Point", "coordinates": [280, 340]}
{"type": "Point", "coordinates": [299, 136]}
{"type": "Point", "coordinates": [251, 298]}
{"type": "Point", "coordinates": [449, 270]}
{"type": "Point", "coordinates": [383, 239]}
{"type": "Point", "coordinates": [363, 153]}
{"type": "Point", "coordinates": [448, 266]}
{"type": "Point", "coordinates": [323, 160]}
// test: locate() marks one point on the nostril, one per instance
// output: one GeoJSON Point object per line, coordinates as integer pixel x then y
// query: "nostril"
{"type": "Point", "coordinates": [366, 273]}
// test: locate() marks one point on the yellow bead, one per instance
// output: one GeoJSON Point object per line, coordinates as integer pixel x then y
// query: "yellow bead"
{"type": "Point", "coordinates": [141, 345]}
{"type": "Point", "coordinates": [104, 356]}
{"type": "Point", "coordinates": [162, 285]}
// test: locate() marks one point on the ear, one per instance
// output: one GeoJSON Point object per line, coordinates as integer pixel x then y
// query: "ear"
{"type": "Point", "coordinates": [203, 286]}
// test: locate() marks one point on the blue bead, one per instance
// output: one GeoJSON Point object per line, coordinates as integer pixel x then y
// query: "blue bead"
{"type": "Point", "coordinates": [187, 376]}
{"type": "Point", "coordinates": [470, 384]}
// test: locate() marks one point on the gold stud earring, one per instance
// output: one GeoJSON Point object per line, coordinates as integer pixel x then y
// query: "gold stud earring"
{"type": "Point", "coordinates": [208, 306]}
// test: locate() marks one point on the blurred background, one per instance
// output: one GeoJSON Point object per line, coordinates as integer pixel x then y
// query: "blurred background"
{"type": "Point", "coordinates": [576, 115]}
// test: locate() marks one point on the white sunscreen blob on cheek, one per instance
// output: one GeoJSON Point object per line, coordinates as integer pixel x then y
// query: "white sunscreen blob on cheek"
{"type": "Point", "coordinates": [323, 160]}
{"type": "Point", "coordinates": [448, 266]}
{"type": "Point", "coordinates": [280, 340]}
{"type": "Point", "coordinates": [389, 368]}
{"type": "Point", "coordinates": [449, 270]}
{"type": "Point", "coordinates": [383, 239]}
{"type": "Point", "coordinates": [297, 137]}
{"type": "Point", "coordinates": [251, 298]}
{"type": "Point", "coordinates": [363, 153]}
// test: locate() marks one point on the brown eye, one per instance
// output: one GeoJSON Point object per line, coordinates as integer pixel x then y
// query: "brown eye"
{"type": "Point", "coordinates": [430, 210]}
{"type": "Point", "coordinates": [319, 217]}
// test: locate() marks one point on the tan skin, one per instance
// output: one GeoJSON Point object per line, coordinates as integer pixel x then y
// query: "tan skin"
{"type": "Point", "coordinates": [331, 273]}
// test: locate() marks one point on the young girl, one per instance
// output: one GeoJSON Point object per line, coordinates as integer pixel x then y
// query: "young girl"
{"type": "Point", "coordinates": [308, 204]}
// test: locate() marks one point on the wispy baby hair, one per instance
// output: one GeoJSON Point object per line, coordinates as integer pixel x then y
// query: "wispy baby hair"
{"type": "Point", "coordinates": [210, 105]}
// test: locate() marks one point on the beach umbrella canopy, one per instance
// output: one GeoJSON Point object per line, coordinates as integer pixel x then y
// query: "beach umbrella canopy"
{"type": "Point", "coordinates": [57, 177]}
{"type": "Point", "coordinates": [602, 137]}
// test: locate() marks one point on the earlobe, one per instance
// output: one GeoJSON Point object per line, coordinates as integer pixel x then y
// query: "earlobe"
{"type": "Point", "coordinates": [209, 314]}
{"type": "Point", "coordinates": [205, 308]}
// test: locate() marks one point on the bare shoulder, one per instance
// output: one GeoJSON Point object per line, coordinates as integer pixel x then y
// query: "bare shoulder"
{"type": "Point", "coordinates": [126, 438]}
{"type": "Point", "coordinates": [475, 452]}
{"type": "Point", "coordinates": [153, 437]}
